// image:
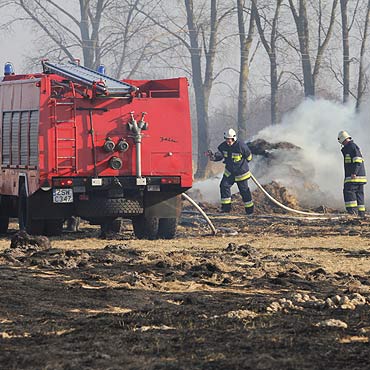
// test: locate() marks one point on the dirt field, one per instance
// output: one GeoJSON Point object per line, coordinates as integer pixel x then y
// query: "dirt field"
{"type": "Point", "coordinates": [268, 292]}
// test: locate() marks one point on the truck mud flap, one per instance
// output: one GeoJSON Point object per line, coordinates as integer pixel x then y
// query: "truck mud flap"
{"type": "Point", "coordinates": [162, 205]}
{"type": "Point", "coordinates": [42, 207]}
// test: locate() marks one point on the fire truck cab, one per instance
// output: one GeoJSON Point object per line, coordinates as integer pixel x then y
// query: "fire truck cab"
{"type": "Point", "coordinates": [75, 142]}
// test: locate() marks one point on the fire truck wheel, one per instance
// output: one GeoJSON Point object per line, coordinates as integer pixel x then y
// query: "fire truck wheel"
{"type": "Point", "coordinates": [22, 208]}
{"type": "Point", "coordinates": [167, 228]}
{"type": "Point", "coordinates": [54, 227]}
{"type": "Point", "coordinates": [4, 224]}
{"type": "Point", "coordinates": [108, 207]}
{"type": "Point", "coordinates": [145, 227]}
{"type": "Point", "coordinates": [4, 214]}
{"type": "Point", "coordinates": [33, 227]}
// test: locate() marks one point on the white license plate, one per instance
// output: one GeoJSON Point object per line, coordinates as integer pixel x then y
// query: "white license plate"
{"type": "Point", "coordinates": [62, 196]}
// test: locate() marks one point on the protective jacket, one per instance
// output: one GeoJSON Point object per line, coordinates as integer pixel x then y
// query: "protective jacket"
{"type": "Point", "coordinates": [236, 158]}
{"type": "Point", "coordinates": [353, 164]}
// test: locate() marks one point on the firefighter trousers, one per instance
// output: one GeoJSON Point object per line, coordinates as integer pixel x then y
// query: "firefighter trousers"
{"type": "Point", "coordinates": [354, 198]}
{"type": "Point", "coordinates": [225, 186]}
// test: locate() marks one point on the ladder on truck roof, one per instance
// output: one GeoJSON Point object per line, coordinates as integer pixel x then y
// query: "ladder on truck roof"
{"type": "Point", "coordinates": [90, 78]}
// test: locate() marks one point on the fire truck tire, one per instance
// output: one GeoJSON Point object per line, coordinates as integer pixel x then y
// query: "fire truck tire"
{"type": "Point", "coordinates": [4, 224]}
{"type": "Point", "coordinates": [4, 214]}
{"type": "Point", "coordinates": [145, 227]}
{"type": "Point", "coordinates": [108, 207]}
{"type": "Point", "coordinates": [22, 208]}
{"type": "Point", "coordinates": [54, 227]}
{"type": "Point", "coordinates": [33, 227]}
{"type": "Point", "coordinates": [167, 228]}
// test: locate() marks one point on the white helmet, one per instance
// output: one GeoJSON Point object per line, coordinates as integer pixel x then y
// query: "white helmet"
{"type": "Point", "coordinates": [343, 136]}
{"type": "Point", "coordinates": [230, 134]}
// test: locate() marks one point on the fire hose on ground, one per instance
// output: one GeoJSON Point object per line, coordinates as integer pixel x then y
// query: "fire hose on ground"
{"type": "Point", "coordinates": [214, 230]}
{"type": "Point", "coordinates": [185, 196]}
{"type": "Point", "coordinates": [280, 204]}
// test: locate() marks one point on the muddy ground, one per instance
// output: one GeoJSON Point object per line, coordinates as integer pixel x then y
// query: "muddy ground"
{"type": "Point", "coordinates": [268, 292]}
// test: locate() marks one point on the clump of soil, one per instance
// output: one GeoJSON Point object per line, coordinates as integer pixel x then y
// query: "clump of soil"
{"type": "Point", "coordinates": [22, 246]}
{"type": "Point", "coordinates": [22, 240]}
{"type": "Point", "coordinates": [34, 250]}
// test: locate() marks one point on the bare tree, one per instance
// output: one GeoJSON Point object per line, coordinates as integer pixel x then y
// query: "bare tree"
{"type": "Point", "coordinates": [199, 36]}
{"type": "Point", "coordinates": [100, 30]}
{"type": "Point", "coordinates": [345, 41]}
{"type": "Point", "coordinates": [65, 29]}
{"type": "Point", "coordinates": [301, 20]}
{"type": "Point", "coordinates": [271, 52]}
{"type": "Point", "coordinates": [245, 39]}
{"type": "Point", "coordinates": [349, 18]}
{"type": "Point", "coordinates": [130, 41]}
{"type": "Point", "coordinates": [323, 36]}
{"type": "Point", "coordinates": [361, 72]}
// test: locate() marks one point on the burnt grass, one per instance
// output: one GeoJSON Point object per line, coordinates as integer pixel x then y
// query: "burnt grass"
{"type": "Point", "coordinates": [231, 307]}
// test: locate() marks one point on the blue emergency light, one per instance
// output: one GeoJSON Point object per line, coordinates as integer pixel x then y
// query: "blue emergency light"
{"type": "Point", "coordinates": [8, 69]}
{"type": "Point", "coordinates": [101, 69]}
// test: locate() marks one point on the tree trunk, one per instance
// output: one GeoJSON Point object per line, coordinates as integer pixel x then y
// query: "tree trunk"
{"type": "Point", "coordinates": [301, 22]}
{"type": "Point", "coordinates": [322, 46]}
{"type": "Point", "coordinates": [200, 98]}
{"type": "Point", "coordinates": [273, 66]}
{"type": "Point", "coordinates": [87, 47]}
{"type": "Point", "coordinates": [271, 52]}
{"type": "Point", "coordinates": [309, 87]}
{"type": "Point", "coordinates": [345, 41]}
{"type": "Point", "coordinates": [361, 73]}
{"type": "Point", "coordinates": [274, 91]}
{"type": "Point", "coordinates": [245, 45]}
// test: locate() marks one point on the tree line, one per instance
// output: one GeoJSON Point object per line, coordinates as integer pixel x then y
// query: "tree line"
{"type": "Point", "coordinates": [248, 47]}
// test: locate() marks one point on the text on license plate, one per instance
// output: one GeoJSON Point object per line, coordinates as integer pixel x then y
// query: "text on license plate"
{"type": "Point", "coordinates": [62, 196]}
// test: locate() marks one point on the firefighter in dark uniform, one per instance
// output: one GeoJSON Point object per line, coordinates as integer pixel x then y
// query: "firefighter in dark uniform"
{"type": "Point", "coordinates": [236, 156]}
{"type": "Point", "coordinates": [354, 175]}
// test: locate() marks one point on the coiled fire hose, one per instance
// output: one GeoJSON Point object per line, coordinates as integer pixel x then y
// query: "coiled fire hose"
{"type": "Point", "coordinates": [214, 230]}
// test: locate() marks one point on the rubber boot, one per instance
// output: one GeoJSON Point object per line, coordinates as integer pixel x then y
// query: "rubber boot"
{"type": "Point", "coordinates": [249, 210]}
{"type": "Point", "coordinates": [226, 208]}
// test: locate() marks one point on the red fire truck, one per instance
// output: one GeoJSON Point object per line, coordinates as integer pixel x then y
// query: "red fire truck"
{"type": "Point", "coordinates": [75, 142]}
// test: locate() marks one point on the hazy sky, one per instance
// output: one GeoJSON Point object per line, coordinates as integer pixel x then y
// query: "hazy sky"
{"type": "Point", "coordinates": [15, 45]}
{"type": "Point", "coordinates": [13, 48]}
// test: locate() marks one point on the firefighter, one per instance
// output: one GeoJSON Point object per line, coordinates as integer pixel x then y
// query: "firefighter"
{"type": "Point", "coordinates": [354, 175]}
{"type": "Point", "coordinates": [236, 156]}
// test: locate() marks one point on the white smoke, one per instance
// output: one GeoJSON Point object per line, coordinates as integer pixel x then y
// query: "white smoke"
{"type": "Point", "coordinates": [207, 190]}
{"type": "Point", "coordinates": [313, 126]}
